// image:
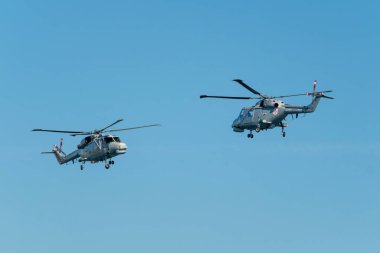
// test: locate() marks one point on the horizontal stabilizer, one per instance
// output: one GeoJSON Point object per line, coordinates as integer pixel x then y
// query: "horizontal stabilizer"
{"type": "Point", "coordinates": [324, 96]}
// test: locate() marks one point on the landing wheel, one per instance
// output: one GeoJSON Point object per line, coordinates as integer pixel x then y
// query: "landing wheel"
{"type": "Point", "coordinates": [282, 129]}
{"type": "Point", "coordinates": [113, 162]}
{"type": "Point", "coordinates": [107, 166]}
{"type": "Point", "coordinates": [250, 136]}
{"type": "Point", "coordinates": [257, 130]}
{"type": "Point", "coordinates": [81, 167]}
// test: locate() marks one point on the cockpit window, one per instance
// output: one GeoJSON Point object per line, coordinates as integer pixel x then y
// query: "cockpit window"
{"type": "Point", "coordinates": [250, 113]}
{"type": "Point", "coordinates": [109, 139]}
{"type": "Point", "coordinates": [243, 113]}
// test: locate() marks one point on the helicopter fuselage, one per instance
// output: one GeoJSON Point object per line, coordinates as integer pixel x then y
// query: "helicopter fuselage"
{"type": "Point", "coordinates": [266, 114]}
{"type": "Point", "coordinates": [99, 148]}
{"type": "Point", "coordinates": [258, 119]}
{"type": "Point", "coordinates": [93, 148]}
{"type": "Point", "coordinates": [102, 148]}
{"type": "Point", "coordinates": [269, 113]}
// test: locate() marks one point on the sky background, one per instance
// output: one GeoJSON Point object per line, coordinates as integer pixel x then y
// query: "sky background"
{"type": "Point", "coordinates": [192, 185]}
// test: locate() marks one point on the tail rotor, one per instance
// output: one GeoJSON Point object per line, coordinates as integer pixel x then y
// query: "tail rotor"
{"type": "Point", "coordinates": [56, 149]}
{"type": "Point", "coordinates": [57, 152]}
{"type": "Point", "coordinates": [60, 147]}
{"type": "Point", "coordinates": [318, 93]}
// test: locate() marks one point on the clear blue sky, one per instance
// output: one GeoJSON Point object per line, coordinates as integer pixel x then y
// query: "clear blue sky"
{"type": "Point", "coordinates": [191, 185]}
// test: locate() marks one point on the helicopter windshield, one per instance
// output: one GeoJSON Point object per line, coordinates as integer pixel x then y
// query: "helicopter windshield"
{"type": "Point", "coordinates": [243, 113]}
{"type": "Point", "coordinates": [109, 139]}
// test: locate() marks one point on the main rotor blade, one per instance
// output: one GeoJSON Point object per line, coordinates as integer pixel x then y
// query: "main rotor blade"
{"type": "Point", "coordinates": [206, 96]}
{"type": "Point", "coordinates": [248, 87]}
{"type": "Point", "coordinates": [117, 121]}
{"type": "Point", "coordinates": [75, 133]}
{"type": "Point", "coordinates": [293, 95]}
{"type": "Point", "coordinates": [325, 91]}
{"type": "Point", "coordinates": [57, 131]}
{"type": "Point", "coordinates": [130, 128]}
{"type": "Point", "coordinates": [302, 94]}
{"type": "Point", "coordinates": [83, 133]}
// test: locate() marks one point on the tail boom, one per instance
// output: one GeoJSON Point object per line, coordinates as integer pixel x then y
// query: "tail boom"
{"type": "Point", "coordinates": [64, 158]}
{"type": "Point", "coordinates": [295, 109]}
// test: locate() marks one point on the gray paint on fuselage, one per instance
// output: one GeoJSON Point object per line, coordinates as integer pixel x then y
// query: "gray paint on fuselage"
{"type": "Point", "coordinates": [260, 118]}
{"type": "Point", "coordinates": [95, 151]}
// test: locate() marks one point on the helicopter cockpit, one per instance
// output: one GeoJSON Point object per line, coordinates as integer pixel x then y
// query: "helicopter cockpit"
{"type": "Point", "coordinates": [246, 112]}
{"type": "Point", "coordinates": [245, 115]}
{"type": "Point", "coordinates": [110, 138]}
{"type": "Point", "coordinates": [107, 139]}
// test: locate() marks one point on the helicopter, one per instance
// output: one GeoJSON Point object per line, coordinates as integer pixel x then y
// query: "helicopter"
{"type": "Point", "coordinates": [93, 148]}
{"type": "Point", "coordinates": [269, 112]}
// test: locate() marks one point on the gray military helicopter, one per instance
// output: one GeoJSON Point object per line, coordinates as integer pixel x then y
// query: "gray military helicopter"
{"type": "Point", "coordinates": [93, 148]}
{"type": "Point", "coordinates": [268, 111]}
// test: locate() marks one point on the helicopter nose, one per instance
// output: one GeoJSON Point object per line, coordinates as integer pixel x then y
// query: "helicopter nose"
{"type": "Point", "coordinates": [122, 148]}
{"type": "Point", "coordinates": [236, 126]}
{"type": "Point", "coordinates": [118, 147]}
{"type": "Point", "coordinates": [235, 123]}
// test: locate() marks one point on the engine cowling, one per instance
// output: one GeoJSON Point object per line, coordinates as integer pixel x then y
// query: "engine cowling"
{"type": "Point", "coordinates": [272, 103]}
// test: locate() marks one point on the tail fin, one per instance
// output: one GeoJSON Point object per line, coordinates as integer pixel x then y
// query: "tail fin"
{"type": "Point", "coordinates": [318, 93]}
{"type": "Point", "coordinates": [317, 96]}
{"type": "Point", "coordinates": [313, 105]}
{"type": "Point", "coordinates": [61, 156]}
{"type": "Point", "coordinates": [58, 153]}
